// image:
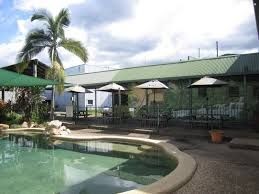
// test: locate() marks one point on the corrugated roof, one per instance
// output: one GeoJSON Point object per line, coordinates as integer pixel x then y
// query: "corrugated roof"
{"type": "Point", "coordinates": [227, 65]}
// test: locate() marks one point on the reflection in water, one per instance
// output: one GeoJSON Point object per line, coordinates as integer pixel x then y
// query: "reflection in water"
{"type": "Point", "coordinates": [94, 146]}
{"type": "Point", "coordinates": [35, 164]}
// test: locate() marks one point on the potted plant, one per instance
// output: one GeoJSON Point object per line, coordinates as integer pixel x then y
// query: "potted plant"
{"type": "Point", "coordinates": [216, 135]}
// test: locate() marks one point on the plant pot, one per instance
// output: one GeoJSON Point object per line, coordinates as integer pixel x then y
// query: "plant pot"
{"type": "Point", "coordinates": [216, 136]}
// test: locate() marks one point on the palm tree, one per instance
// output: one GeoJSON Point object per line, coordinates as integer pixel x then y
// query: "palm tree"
{"type": "Point", "coordinates": [51, 37]}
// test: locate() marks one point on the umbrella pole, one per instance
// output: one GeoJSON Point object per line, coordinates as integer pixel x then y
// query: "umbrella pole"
{"type": "Point", "coordinates": [154, 91]}
{"type": "Point", "coordinates": [112, 104]}
{"type": "Point", "coordinates": [95, 103]}
{"type": "Point", "coordinates": [119, 92]}
{"type": "Point", "coordinates": [207, 111]}
{"type": "Point", "coordinates": [147, 106]}
{"type": "Point", "coordinates": [77, 106]}
{"type": "Point", "coordinates": [73, 104]}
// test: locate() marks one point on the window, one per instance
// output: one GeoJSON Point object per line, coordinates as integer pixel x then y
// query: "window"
{"type": "Point", "coordinates": [202, 92]}
{"type": "Point", "coordinates": [233, 91]}
{"type": "Point", "coordinates": [90, 102]}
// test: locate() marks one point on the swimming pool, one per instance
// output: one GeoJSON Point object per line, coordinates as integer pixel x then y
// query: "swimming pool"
{"type": "Point", "coordinates": [32, 163]}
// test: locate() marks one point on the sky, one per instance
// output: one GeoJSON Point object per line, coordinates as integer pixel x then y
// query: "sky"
{"type": "Point", "coordinates": [124, 33]}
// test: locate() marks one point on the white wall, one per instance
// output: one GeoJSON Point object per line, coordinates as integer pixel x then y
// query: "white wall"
{"type": "Point", "coordinates": [61, 101]}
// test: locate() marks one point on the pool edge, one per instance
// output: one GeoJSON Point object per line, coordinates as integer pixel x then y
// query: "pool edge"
{"type": "Point", "coordinates": [173, 181]}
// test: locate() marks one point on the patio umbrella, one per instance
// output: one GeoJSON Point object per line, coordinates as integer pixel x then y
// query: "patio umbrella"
{"type": "Point", "coordinates": [208, 82]}
{"type": "Point", "coordinates": [76, 89]}
{"type": "Point", "coordinates": [153, 85]}
{"type": "Point", "coordinates": [113, 87]}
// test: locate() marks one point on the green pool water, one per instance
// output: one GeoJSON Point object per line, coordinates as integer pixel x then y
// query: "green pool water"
{"type": "Point", "coordinates": [33, 164]}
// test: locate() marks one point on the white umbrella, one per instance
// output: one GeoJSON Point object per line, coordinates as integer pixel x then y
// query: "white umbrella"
{"type": "Point", "coordinates": [113, 87]}
{"type": "Point", "coordinates": [153, 84]}
{"type": "Point", "coordinates": [77, 89]}
{"type": "Point", "coordinates": [208, 82]}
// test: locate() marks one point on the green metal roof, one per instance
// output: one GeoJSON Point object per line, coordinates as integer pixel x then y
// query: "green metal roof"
{"type": "Point", "coordinates": [220, 66]}
{"type": "Point", "coordinates": [12, 79]}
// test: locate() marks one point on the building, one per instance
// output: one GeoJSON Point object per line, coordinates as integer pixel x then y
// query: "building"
{"type": "Point", "coordinates": [238, 101]}
{"type": "Point", "coordinates": [103, 99]}
{"type": "Point", "coordinates": [34, 68]}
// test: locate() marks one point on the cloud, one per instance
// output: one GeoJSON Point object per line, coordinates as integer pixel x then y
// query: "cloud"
{"type": "Point", "coordinates": [132, 32]}
{"type": "Point", "coordinates": [94, 13]}
{"type": "Point", "coordinates": [53, 6]}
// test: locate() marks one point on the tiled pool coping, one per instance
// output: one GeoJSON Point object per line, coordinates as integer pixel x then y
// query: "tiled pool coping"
{"type": "Point", "coordinates": [173, 181]}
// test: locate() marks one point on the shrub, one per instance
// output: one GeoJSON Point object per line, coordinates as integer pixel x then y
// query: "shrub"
{"type": "Point", "coordinates": [13, 118]}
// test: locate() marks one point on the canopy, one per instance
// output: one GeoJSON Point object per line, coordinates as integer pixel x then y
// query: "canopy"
{"type": "Point", "coordinates": [153, 84]}
{"type": "Point", "coordinates": [77, 89]}
{"type": "Point", "coordinates": [12, 79]}
{"type": "Point", "coordinates": [112, 87]}
{"type": "Point", "coordinates": [207, 82]}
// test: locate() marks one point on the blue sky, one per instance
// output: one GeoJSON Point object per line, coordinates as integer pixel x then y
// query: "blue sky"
{"type": "Point", "coordinates": [121, 33]}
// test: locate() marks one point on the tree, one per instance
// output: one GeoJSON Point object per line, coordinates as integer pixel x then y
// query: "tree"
{"type": "Point", "coordinates": [51, 36]}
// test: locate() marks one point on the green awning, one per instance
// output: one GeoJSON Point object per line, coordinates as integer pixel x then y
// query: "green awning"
{"type": "Point", "coordinates": [12, 79]}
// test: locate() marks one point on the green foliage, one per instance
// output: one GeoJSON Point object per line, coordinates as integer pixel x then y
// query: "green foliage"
{"type": "Point", "coordinates": [122, 111]}
{"type": "Point", "coordinates": [51, 36]}
{"type": "Point", "coordinates": [13, 118]}
{"type": "Point", "coordinates": [132, 98]}
{"type": "Point", "coordinates": [29, 103]}
{"type": "Point", "coordinates": [57, 73]}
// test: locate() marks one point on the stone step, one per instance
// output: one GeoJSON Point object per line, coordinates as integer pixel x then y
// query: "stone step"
{"type": "Point", "coordinates": [244, 143]}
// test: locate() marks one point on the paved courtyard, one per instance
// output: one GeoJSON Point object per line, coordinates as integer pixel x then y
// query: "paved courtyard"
{"type": "Point", "coordinates": [220, 168]}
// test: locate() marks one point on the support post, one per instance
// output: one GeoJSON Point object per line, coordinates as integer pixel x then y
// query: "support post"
{"type": "Point", "coordinates": [95, 103]}
{"type": "Point", "coordinates": [35, 71]}
{"type": "Point", "coordinates": [77, 107]}
{"type": "Point", "coordinates": [245, 97]}
{"type": "Point", "coordinates": [190, 100]}
{"type": "Point", "coordinates": [119, 93]}
{"type": "Point", "coordinates": [3, 94]}
{"type": "Point", "coordinates": [147, 107]}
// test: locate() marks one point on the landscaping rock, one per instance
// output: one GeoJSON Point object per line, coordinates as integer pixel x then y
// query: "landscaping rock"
{"type": "Point", "coordinates": [33, 125]}
{"type": "Point", "coordinates": [63, 128]}
{"type": "Point", "coordinates": [64, 133]}
{"type": "Point", "coordinates": [54, 131]}
{"type": "Point", "coordinates": [25, 125]}
{"type": "Point", "coordinates": [4, 126]}
{"type": "Point", "coordinates": [55, 123]}
{"type": "Point", "coordinates": [55, 128]}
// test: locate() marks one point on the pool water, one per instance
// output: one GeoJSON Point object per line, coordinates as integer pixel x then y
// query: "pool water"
{"type": "Point", "coordinates": [33, 164]}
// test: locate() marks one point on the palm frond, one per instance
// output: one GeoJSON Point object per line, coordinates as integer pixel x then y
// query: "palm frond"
{"type": "Point", "coordinates": [20, 67]}
{"type": "Point", "coordinates": [28, 52]}
{"type": "Point", "coordinates": [63, 18]}
{"type": "Point", "coordinates": [42, 15]}
{"type": "Point", "coordinates": [61, 21]}
{"type": "Point", "coordinates": [75, 47]}
{"type": "Point", "coordinates": [38, 37]}
{"type": "Point", "coordinates": [56, 72]}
